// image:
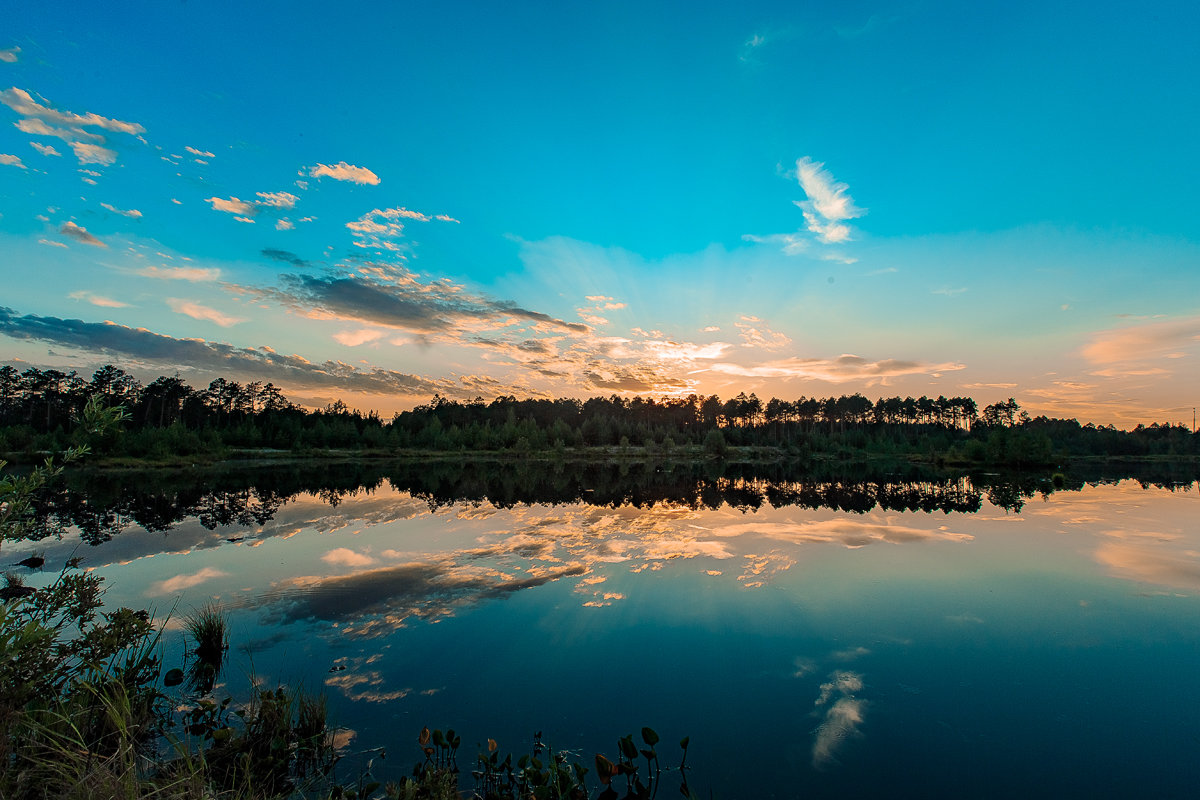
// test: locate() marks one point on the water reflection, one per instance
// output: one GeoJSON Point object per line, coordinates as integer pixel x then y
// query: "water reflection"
{"type": "Point", "coordinates": [835, 614]}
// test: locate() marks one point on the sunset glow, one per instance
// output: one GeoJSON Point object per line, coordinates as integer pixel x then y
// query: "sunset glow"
{"type": "Point", "coordinates": [396, 200]}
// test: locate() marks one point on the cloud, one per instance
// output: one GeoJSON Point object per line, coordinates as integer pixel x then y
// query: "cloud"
{"type": "Point", "coordinates": [97, 300]}
{"type": "Point", "coordinates": [181, 582]}
{"type": "Point", "coordinates": [80, 234]}
{"type": "Point", "coordinates": [23, 103]}
{"type": "Point", "coordinates": [342, 171]}
{"type": "Point", "coordinates": [51, 243]}
{"type": "Point", "coordinates": [379, 226]}
{"type": "Point", "coordinates": [842, 719]}
{"type": "Point", "coordinates": [93, 153]}
{"type": "Point", "coordinates": [11, 161]}
{"type": "Point", "coordinates": [387, 295]}
{"type": "Point", "coordinates": [1142, 342]}
{"type": "Point", "coordinates": [345, 557]}
{"type": "Point", "coordinates": [284, 225]}
{"type": "Point", "coordinates": [224, 359]}
{"type": "Point", "coordinates": [232, 206]}
{"type": "Point", "coordinates": [193, 274]}
{"type": "Point", "coordinates": [45, 149]}
{"type": "Point", "coordinates": [196, 152]}
{"type": "Point", "coordinates": [836, 370]}
{"type": "Point", "coordinates": [948, 292]}
{"type": "Point", "coordinates": [9, 55]}
{"type": "Point", "coordinates": [285, 256]}
{"type": "Point", "coordinates": [755, 333]}
{"type": "Point", "coordinates": [277, 199]}
{"type": "Point", "coordinates": [829, 203]}
{"type": "Point", "coordinates": [355, 338]}
{"type": "Point", "coordinates": [197, 311]}
{"type": "Point", "coordinates": [133, 212]}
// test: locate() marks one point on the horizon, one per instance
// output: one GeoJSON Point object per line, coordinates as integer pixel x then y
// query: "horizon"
{"type": "Point", "coordinates": [662, 200]}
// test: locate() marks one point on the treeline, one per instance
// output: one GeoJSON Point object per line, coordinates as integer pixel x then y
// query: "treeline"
{"type": "Point", "coordinates": [169, 418]}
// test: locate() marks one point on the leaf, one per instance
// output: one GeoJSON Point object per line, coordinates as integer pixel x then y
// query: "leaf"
{"type": "Point", "coordinates": [604, 769]}
{"type": "Point", "coordinates": [492, 745]}
{"type": "Point", "coordinates": [628, 748]}
{"type": "Point", "coordinates": [423, 739]}
{"type": "Point", "coordinates": [173, 677]}
{"type": "Point", "coordinates": [649, 736]}
{"type": "Point", "coordinates": [684, 742]}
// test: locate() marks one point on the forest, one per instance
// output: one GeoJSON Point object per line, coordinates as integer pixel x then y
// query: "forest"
{"type": "Point", "coordinates": [169, 419]}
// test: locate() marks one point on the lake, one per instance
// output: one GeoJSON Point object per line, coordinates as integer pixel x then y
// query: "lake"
{"type": "Point", "coordinates": [909, 634]}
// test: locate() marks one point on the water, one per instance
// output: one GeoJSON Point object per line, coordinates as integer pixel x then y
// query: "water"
{"type": "Point", "coordinates": [1045, 644]}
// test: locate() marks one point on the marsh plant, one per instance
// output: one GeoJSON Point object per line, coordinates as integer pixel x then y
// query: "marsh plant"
{"type": "Point", "coordinates": [208, 631]}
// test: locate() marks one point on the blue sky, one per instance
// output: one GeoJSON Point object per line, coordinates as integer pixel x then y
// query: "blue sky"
{"type": "Point", "coordinates": [573, 199]}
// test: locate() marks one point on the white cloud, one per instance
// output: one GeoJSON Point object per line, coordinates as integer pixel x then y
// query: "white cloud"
{"type": "Point", "coordinates": [379, 225]}
{"type": "Point", "coordinates": [197, 311]}
{"type": "Point", "coordinates": [355, 338]}
{"type": "Point", "coordinates": [93, 153]}
{"type": "Point", "coordinates": [342, 171]}
{"type": "Point", "coordinates": [23, 103]}
{"type": "Point", "coordinates": [277, 199]}
{"type": "Point", "coordinates": [196, 152]}
{"type": "Point", "coordinates": [344, 556]}
{"type": "Point", "coordinates": [51, 243]}
{"type": "Point", "coordinates": [193, 274]}
{"type": "Point", "coordinates": [181, 582]}
{"type": "Point", "coordinates": [80, 234]}
{"type": "Point", "coordinates": [133, 212]}
{"type": "Point", "coordinates": [232, 206]}
{"type": "Point", "coordinates": [97, 300]}
{"type": "Point", "coordinates": [284, 225]}
{"type": "Point", "coordinates": [45, 149]}
{"type": "Point", "coordinates": [9, 55]}
{"type": "Point", "coordinates": [245, 219]}
{"type": "Point", "coordinates": [756, 333]}
{"type": "Point", "coordinates": [11, 161]}
{"type": "Point", "coordinates": [829, 203]}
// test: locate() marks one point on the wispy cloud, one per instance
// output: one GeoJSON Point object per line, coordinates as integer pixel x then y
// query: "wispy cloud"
{"type": "Point", "coordinates": [1142, 342]}
{"type": "Point", "coordinates": [842, 719]}
{"type": "Point", "coordinates": [197, 311]}
{"type": "Point", "coordinates": [836, 370]}
{"type": "Point", "coordinates": [133, 212]}
{"type": "Point", "coordinates": [39, 119]}
{"type": "Point", "coordinates": [194, 274]}
{"type": "Point", "coordinates": [9, 54]}
{"type": "Point", "coordinates": [97, 300]}
{"type": "Point", "coordinates": [384, 294]}
{"type": "Point", "coordinates": [79, 234]}
{"type": "Point", "coordinates": [756, 333]}
{"type": "Point", "coordinates": [194, 355]}
{"type": "Point", "coordinates": [378, 228]}
{"type": "Point", "coordinates": [179, 583]}
{"type": "Point", "coordinates": [277, 199]}
{"type": "Point", "coordinates": [11, 161]}
{"type": "Point", "coordinates": [89, 153]}
{"type": "Point", "coordinates": [45, 149]}
{"type": "Point", "coordinates": [197, 152]}
{"type": "Point", "coordinates": [232, 205]}
{"type": "Point", "coordinates": [342, 171]}
{"type": "Point", "coordinates": [285, 256]}
{"type": "Point", "coordinates": [829, 203]}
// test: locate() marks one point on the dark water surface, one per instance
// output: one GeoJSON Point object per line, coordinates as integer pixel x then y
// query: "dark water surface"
{"type": "Point", "coordinates": [897, 635]}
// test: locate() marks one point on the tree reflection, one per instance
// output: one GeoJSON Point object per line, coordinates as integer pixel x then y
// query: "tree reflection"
{"type": "Point", "coordinates": [102, 504]}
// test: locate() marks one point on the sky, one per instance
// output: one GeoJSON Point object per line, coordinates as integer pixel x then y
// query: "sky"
{"type": "Point", "coordinates": [393, 200]}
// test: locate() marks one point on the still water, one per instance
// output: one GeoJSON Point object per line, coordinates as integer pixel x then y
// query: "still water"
{"type": "Point", "coordinates": [921, 638]}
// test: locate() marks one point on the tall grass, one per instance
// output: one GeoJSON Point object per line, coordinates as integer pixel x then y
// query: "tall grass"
{"type": "Point", "coordinates": [209, 632]}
